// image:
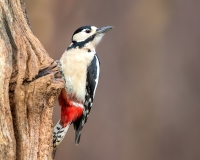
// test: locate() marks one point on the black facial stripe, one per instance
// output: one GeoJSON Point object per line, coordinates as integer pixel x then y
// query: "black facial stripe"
{"type": "Point", "coordinates": [82, 43]}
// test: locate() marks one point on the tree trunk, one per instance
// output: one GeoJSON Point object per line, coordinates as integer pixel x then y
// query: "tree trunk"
{"type": "Point", "coordinates": [29, 86]}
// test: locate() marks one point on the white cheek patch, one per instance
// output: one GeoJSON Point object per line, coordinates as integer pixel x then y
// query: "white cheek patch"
{"type": "Point", "coordinates": [80, 37]}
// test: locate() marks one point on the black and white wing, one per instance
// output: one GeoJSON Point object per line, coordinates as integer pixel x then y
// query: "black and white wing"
{"type": "Point", "coordinates": [93, 71]}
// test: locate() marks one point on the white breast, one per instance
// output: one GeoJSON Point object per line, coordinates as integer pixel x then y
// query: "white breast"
{"type": "Point", "coordinates": [74, 66]}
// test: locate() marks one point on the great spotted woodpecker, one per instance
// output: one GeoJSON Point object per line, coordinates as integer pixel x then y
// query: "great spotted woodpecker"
{"type": "Point", "coordinates": [80, 69]}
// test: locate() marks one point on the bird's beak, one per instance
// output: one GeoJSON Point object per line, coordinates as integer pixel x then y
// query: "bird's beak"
{"type": "Point", "coordinates": [104, 29]}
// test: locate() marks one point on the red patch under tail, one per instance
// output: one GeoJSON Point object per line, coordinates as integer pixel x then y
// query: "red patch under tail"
{"type": "Point", "coordinates": [69, 110]}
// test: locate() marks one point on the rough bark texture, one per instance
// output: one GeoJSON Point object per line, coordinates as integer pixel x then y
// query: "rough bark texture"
{"type": "Point", "coordinates": [28, 88]}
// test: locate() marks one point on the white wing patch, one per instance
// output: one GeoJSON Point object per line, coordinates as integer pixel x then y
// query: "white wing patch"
{"type": "Point", "coordinates": [97, 78]}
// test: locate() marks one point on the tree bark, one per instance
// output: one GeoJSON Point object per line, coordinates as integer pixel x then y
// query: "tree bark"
{"type": "Point", "coordinates": [29, 86]}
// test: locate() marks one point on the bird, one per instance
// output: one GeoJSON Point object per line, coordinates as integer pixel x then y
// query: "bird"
{"type": "Point", "coordinates": [80, 68]}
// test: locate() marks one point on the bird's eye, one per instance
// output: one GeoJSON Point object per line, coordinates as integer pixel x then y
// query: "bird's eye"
{"type": "Point", "coordinates": [87, 30]}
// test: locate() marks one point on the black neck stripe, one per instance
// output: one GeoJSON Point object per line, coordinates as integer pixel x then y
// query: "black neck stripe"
{"type": "Point", "coordinates": [82, 43]}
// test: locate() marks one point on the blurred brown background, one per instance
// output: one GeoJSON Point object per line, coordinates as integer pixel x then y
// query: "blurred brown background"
{"type": "Point", "coordinates": [147, 104]}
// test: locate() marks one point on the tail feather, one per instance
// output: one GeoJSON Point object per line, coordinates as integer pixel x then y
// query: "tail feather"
{"type": "Point", "coordinates": [59, 134]}
{"type": "Point", "coordinates": [77, 137]}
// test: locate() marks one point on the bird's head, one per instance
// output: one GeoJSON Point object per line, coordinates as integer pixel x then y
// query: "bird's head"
{"type": "Point", "coordinates": [88, 36]}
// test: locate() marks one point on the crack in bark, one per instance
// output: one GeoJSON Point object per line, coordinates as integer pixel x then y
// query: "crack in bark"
{"type": "Point", "coordinates": [31, 84]}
